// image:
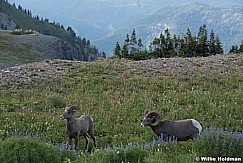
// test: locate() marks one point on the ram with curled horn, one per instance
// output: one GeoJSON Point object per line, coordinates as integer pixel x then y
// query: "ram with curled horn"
{"type": "Point", "coordinates": [183, 130]}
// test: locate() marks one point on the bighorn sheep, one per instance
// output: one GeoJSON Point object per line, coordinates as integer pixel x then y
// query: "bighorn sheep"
{"type": "Point", "coordinates": [182, 129]}
{"type": "Point", "coordinates": [76, 127]}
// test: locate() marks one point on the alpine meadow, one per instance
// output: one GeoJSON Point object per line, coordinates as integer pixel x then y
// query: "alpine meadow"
{"type": "Point", "coordinates": [51, 78]}
{"type": "Point", "coordinates": [116, 92]}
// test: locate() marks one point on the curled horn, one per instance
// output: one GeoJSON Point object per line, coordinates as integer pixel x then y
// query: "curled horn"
{"type": "Point", "coordinates": [153, 114]}
{"type": "Point", "coordinates": [73, 107]}
{"type": "Point", "coordinates": [146, 112]}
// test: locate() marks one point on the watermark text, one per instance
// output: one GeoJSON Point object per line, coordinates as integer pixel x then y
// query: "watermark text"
{"type": "Point", "coordinates": [218, 159]}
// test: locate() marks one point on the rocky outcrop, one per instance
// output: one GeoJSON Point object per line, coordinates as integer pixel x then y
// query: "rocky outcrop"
{"type": "Point", "coordinates": [6, 22]}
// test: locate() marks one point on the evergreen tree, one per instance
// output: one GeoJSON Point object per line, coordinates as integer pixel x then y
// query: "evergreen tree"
{"type": "Point", "coordinates": [190, 45]}
{"type": "Point", "coordinates": [176, 44]}
{"type": "Point", "coordinates": [212, 46]}
{"type": "Point", "coordinates": [133, 42]}
{"type": "Point", "coordinates": [140, 44]}
{"type": "Point", "coordinates": [103, 54]}
{"type": "Point", "coordinates": [127, 40]}
{"type": "Point", "coordinates": [169, 50]}
{"type": "Point", "coordinates": [202, 47]}
{"type": "Point", "coordinates": [88, 43]}
{"type": "Point", "coordinates": [241, 47]}
{"type": "Point", "coordinates": [117, 50]}
{"type": "Point", "coordinates": [156, 48]}
{"type": "Point", "coordinates": [20, 8]}
{"type": "Point", "coordinates": [162, 45]}
{"type": "Point", "coordinates": [234, 49]}
{"type": "Point", "coordinates": [127, 44]}
{"type": "Point", "coordinates": [124, 51]}
{"type": "Point", "coordinates": [218, 48]}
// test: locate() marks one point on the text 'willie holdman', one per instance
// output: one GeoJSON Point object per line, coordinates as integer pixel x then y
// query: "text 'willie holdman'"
{"type": "Point", "coordinates": [219, 159]}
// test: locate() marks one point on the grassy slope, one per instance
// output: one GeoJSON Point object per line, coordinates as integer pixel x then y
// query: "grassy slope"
{"type": "Point", "coordinates": [20, 49]}
{"type": "Point", "coordinates": [10, 53]}
{"type": "Point", "coordinates": [116, 92]}
{"type": "Point", "coordinates": [26, 22]}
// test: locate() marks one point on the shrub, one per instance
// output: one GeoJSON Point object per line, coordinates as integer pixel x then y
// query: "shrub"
{"type": "Point", "coordinates": [56, 101]}
{"type": "Point", "coordinates": [27, 149]}
{"type": "Point", "coordinates": [132, 152]}
{"type": "Point", "coordinates": [218, 142]}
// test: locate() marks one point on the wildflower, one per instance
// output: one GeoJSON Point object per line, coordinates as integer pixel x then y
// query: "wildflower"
{"type": "Point", "coordinates": [160, 141]}
{"type": "Point", "coordinates": [131, 146]}
{"type": "Point", "coordinates": [146, 145]}
{"type": "Point", "coordinates": [101, 149]}
{"type": "Point", "coordinates": [108, 146]}
{"type": "Point", "coordinates": [75, 153]}
{"type": "Point", "coordinates": [153, 140]}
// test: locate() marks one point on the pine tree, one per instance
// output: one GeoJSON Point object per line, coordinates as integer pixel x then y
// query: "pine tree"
{"type": "Point", "coordinates": [117, 50]}
{"type": "Point", "coordinates": [202, 47]}
{"type": "Point", "coordinates": [212, 46]}
{"type": "Point", "coordinates": [232, 49]}
{"type": "Point", "coordinates": [162, 45]}
{"type": "Point", "coordinates": [103, 54]}
{"type": "Point", "coordinates": [190, 45]}
{"type": "Point", "coordinates": [140, 44]}
{"type": "Point", "coordinates": [125, 47]}
{"type": "Point", "coordinates": [176, 44]}
{"type": "Point", "coordinates": [133, 42]}
{"type": "Point", "coordinates": [124, 51]}
{"type": "Point", "coordinates": [169, 51]}
{"type": "Point", "coordinates": [241, 47]}
{"type": "Point", "coordinates": [218, 48]}
{"type": "Point", "coordinates": [156, 47]}
{"type": "Point", "coordinates": [20, 8]}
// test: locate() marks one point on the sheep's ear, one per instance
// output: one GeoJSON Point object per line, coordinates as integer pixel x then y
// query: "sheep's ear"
{"type": "Point", "coordinates": [146, 112]}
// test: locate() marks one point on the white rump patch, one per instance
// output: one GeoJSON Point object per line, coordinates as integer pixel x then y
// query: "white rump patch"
{"type": "Point", "coordinates": [197, 125]}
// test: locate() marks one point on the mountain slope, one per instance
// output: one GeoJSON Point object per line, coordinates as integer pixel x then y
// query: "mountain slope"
{"type": "Point", "coordinates": [103, 21]}
{"type": "Point", "coordinates": [22, 19]}
{"type": "Point", "coordinates": [20, 49]}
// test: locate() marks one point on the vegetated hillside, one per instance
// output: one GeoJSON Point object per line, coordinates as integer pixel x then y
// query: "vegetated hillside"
{"type": "Point", "coordinates": [20, 49]}
{"type": "Point", "coordinates": [116, 92]}
{"type": "Point", "coordinates": [12, 18]}
{"type": "Point", "coordinates": [101, 16]}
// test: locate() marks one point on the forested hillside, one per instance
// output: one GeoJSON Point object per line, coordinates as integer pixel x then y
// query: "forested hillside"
{"type": "Point", "coordinates": [15, 17]}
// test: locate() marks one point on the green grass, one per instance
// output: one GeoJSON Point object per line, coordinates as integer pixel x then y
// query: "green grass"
{"type": "Point", "coordinates": [116, 97]}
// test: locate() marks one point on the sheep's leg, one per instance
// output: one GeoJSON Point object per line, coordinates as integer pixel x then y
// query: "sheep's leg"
{"type": "Point", "coordinates": [76, 142]}
{"type": "Point", "coordinates": [194, 137]}
{"type": "Point", "coordinates": [86, 145]}
{"type": "Point", "coordinates": [93, 137]}
{"type": "Point", "coordinates": [70, 142]}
